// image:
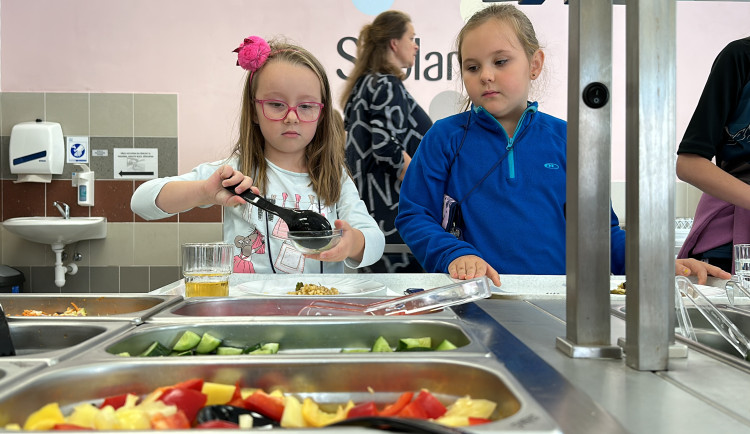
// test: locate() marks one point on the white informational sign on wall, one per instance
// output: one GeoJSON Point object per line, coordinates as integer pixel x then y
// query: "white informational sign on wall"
{"type": "Point", "coordinates": [77, 150]}
{"type": "Point", "coordinates": [133, 163]}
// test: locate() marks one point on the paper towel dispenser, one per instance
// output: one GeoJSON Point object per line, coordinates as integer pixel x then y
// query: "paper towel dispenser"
{"type": "Point", "coordinates": [37, 151]}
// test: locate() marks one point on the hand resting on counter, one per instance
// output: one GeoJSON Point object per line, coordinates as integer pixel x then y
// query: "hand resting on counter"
{"type": "Point", "coordinates": [470, 267]}
{"type": "Point", "coordinates": [694, 267]}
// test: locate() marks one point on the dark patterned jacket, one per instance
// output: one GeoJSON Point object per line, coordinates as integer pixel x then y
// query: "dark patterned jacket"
{"type": "Point", "coordinates": [381, 119]}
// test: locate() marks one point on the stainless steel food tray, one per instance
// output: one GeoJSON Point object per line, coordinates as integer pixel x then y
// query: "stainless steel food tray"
{"type": "Point", "coordinates": [234, 308]}
{"type": "Point", "coordinates": [55, 340]}
{"type": "Point", "coordinates": [709, 340]}
{"type": "Point", "coordinates": [99, 307]}
{"type": "Point", "coordinates": [326, 338]}
{"type": "Point", "coordinates": [12, 369]}
{"type": "Point", "coordinates": [326, 380]}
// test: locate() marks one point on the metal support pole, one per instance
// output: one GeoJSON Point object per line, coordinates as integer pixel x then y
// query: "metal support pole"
{"type": "Point", "coordinates": [588, 182]}
{"type": "Point", "coordinates": [650, 160]}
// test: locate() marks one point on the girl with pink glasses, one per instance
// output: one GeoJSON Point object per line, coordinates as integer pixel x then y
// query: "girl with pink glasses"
{"type": "Point", "coordinates": [291, 151]}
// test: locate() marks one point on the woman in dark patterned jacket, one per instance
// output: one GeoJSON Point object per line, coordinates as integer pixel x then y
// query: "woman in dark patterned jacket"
{"type": "Point", "coordinates": [384, 125]}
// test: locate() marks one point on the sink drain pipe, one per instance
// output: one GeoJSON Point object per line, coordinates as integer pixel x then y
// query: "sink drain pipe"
{"type": "Point", "coordinates": [60, 269]}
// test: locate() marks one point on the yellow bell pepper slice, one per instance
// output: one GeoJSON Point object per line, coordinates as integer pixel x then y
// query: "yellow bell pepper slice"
{"type": "Point", "coordinates": [292, 416]}
{"type": "Point", "coordinates": [45, 418]}
{"type": "Point", "coordinates": [133, 419]}
{"type": "Point", "coordinates": [83, 415]}
{"type": "Point", "coordinates": [216, 393]}
{"type": "Point", "coordinates": [466, 406]}
{"type": "Point", "coordinates": [106, 419]}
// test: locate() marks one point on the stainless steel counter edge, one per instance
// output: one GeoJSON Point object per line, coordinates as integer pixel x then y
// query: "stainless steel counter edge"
{"type": "Point", "coordinates": [572, 409]}
{"type": "Point", "coordinates": [698, 394]}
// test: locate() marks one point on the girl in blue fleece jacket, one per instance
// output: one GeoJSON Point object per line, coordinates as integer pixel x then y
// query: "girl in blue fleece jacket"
{"type": "Point", "coordinates": [505, 162]}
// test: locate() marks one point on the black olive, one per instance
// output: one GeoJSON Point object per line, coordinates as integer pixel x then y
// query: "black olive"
{"type": "Point", "coordinates": [231, 413]}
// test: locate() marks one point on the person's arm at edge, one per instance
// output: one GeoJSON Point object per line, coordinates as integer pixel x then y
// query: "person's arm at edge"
{"type": "Point", "coordinates": [711, 179]}
{"type": "Point", "coordinates": [719, 98]}
{"type": "Point", "coordinates": [144, 199]}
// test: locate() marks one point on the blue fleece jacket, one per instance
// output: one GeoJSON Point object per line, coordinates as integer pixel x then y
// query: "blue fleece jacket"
{"type": "Point", "coordinates": [515, 219]}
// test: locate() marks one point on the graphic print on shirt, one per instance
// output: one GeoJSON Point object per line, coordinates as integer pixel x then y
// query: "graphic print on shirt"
{"type": "Point", "coordinates": [289, 259]}
{"type": "Point", "coordinates": [253, 243]}
{"type": "Point", "coordinates": [280, 229]}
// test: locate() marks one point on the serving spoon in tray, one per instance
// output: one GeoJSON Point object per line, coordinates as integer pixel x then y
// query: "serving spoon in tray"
{"type": "Point", "coordinates": [6, 343]}
{"type": "Point", "coordinates": [298, 220]}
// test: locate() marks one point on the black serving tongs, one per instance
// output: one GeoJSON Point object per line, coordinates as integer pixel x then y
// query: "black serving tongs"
{"type": "Point", "coordinates": [404, 425]}
{"type": "Point", "coordinates": [297, 220]}
{"type": "Point", "coordinates": [6, 343]}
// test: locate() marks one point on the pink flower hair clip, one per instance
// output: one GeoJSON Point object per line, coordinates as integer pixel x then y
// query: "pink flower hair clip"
{"type": "Point", "coordinates": [252, 53]}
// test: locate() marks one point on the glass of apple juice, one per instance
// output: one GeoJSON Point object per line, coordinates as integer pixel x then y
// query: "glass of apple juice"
{"type": "Point", "coordinates": [206, 268]}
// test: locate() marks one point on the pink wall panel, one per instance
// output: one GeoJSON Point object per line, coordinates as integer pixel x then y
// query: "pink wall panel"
{"type": "Point", "coordinates": [184, 47]}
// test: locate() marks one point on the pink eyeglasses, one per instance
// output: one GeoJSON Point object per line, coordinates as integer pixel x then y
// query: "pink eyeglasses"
{"type": "Point", "coordinates": [275, 110]}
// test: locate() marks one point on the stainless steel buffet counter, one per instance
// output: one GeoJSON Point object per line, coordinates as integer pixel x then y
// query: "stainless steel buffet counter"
{"type": "Point", "coordinates": [507, 340]}
{"type": "Point", "coordinates": [698, 394]}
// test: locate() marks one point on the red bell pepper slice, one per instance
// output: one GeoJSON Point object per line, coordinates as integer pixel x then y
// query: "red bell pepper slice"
{"type": "Point", "coordinates": [413, 410]}
{"type": "Point", "coordinates": [178, 420]}
{"type": "Point", "coordinates": [70, 427]}
{"type": "Point", "coordinates": [431, 405]}
{"type": "Point", "coordinates": [478, 420]}
{"type": "Point", "coordinates": [362, 410]}
{"type": "Point", "coordinates": [194, 383]}
{"type": "Point", "coordinates": [189, 401]}
{"type": "Point", "coordinates": [236, 399]}
{"type": "Point", "coordinates": [115, 401]}
{"type": "Point", "coordinates": [269, 406]}
{"type": "Point", "coordinates": [396, 407]}
{"type": "Point", "coordinates": [220, 424]}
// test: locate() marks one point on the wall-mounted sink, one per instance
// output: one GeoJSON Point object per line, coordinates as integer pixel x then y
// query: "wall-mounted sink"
{"type": "Point", "coordinates": [57, 230]}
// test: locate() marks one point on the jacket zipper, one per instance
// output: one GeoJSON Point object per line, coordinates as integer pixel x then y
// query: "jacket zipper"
{"type": "Point", "coordinates": [511, 140]}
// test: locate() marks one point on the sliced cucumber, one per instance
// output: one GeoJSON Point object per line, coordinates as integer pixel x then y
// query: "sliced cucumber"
{"type": "Point", "coordinates": [267, 348]}
{"type": "Point", "coordinates": [446, 345]}
{"type": "Point", "coordinates": [414, 344]}
{"type": "Point", "coordinates": [187, 341]}
{"type": "Point", "coordinates": [381, 346]}
{"type": "Point", "coordinates": [207, 344]}
{"type": "Point", "coordinates": [355, 350]}
{"type": "Point", "coordinates": [181, 353]}
{"type": "Point", "coordinates": [156, 349]}
{"type": "Point", "coordinates": [124, 354]}
{"type": "Point", "coordinates": [252, 348]}
{"type": "Point", "coordinates": [228, 351]}
{"type": "Point", "coordinates": [273, 347]}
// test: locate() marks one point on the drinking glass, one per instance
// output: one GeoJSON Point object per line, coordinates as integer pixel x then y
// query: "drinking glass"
{"type": "Point", "coordinates": [206, 267]}
{"type": "Point", "coordinates": [742, 261]}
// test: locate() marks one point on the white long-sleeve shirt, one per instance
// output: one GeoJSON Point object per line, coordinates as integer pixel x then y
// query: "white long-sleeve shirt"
{"type": "Point", "coordinates": [259, 237]}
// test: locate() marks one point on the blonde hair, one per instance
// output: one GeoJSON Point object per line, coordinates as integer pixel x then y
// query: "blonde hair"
{"type": "Point", "coordinates": [326, 160]}
{"type": "Point", "coordinates": [505, 13]}
{"type": "Point", "coordinates": [373, 48]}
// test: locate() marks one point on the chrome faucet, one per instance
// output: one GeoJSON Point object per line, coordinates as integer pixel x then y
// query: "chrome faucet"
{"type": "Point", "coordinates": [63, 208]}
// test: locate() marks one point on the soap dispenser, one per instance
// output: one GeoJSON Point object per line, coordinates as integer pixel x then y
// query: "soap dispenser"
{"type": "Point", "coordinates": [84, 180]}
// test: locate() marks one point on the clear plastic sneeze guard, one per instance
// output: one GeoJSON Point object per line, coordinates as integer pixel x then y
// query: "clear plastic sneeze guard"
{"type": "Point", "coordinates": [423, 301]}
